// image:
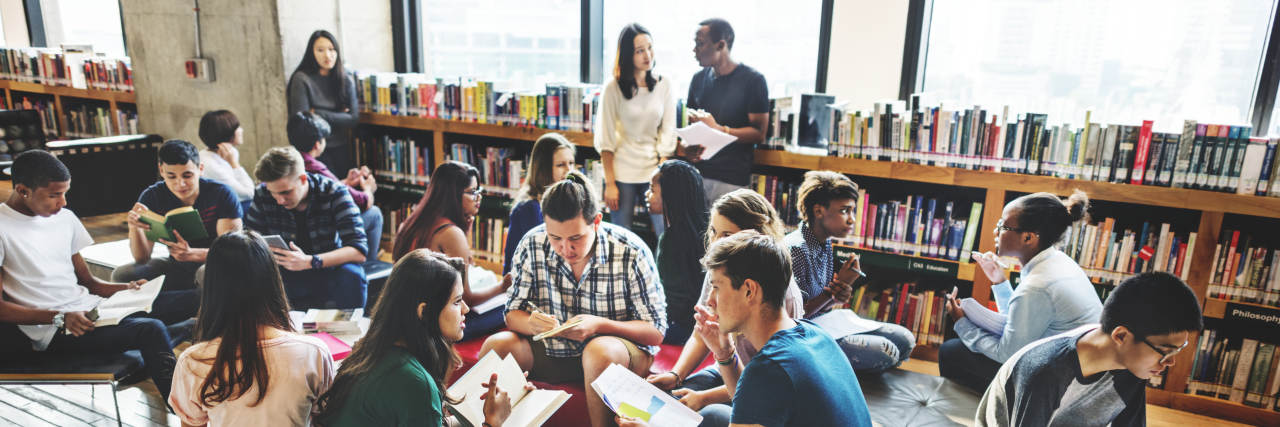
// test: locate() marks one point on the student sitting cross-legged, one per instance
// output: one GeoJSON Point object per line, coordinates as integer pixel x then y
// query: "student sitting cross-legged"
{"type": "Point", "coordinates": [182, 186]}
{"type": "Point", "coordinates": [1096, 375]}
{"type": "Point", "coordinates": [799, 377]}
{"type": "Point", "coordinates": [322, 226]}
{"type": "Point", "coordinates": [47, 288]}
{"type": "Point", "coordinates": [574, 268]}
{"type": "Point", "coordinates": [308, 133]}
{"type": "Point", "coordinates": [395, 375]}
{"type": "Point", "coordinates": [248, 366]}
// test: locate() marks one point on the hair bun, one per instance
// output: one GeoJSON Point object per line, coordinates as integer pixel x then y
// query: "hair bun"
{"type": "Point", "coordinates": [1077, 206]}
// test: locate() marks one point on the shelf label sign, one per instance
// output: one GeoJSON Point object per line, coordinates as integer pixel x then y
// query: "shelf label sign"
{"type": "Point", "coordinates": [1253, 315]}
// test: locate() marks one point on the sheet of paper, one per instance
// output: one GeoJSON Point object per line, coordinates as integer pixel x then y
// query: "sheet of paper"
{"type": "Point", "coordinates": [499, 300]}
{"type": "Point", "coordinates": [701, 134]}
{"type": "Point", "coordinates": [842, 323]}
{"type": "Point", "coordinates": [124, 303]}
{"type": "Point", "coordinates": [115, 254]}
{"type": "Point", "coordinates": [617, 385]}
{"type": "Point", "coordinates": [983, 317]}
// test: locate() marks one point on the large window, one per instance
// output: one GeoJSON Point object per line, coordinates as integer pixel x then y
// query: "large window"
{"type": "Point", "coordinates": [91, 22]}
{"type": "Point", "coordinates": [1126, 61]}
{"type": "Point", "coordinates": [517, 44]}
{"type": "Point", "coordinates": [778, 38]}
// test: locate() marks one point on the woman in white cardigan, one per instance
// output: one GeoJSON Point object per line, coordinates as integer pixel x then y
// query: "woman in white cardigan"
{"type": "Point", "coordinates": [636, 129]}
{"type": "Point", "coordinates": [221, 133]}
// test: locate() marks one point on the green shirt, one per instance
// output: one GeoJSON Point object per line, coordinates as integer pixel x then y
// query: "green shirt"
{"type": "Point", "coordinates": [399, 392]}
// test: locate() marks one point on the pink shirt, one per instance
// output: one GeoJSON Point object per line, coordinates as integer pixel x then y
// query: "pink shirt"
{"type": "Point", "coordinates": [301, 370]}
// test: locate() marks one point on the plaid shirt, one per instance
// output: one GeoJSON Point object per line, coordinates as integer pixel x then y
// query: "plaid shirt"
{"type": "Point", "coordinates": [620, 283]}
{"type": "Point", "coordinates": [811, 260]}
{"type": "Point", "coordinates": [333, 220]}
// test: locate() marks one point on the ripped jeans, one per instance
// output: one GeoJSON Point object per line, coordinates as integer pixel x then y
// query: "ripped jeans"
{"type": "Point", "coordinates": [878, 350]}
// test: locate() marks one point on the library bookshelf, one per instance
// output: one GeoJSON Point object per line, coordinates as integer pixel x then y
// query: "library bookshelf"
{"type": "Point", "coordinates": [997, 187]}
{"type": "Point", "coordinates": [61, 93]}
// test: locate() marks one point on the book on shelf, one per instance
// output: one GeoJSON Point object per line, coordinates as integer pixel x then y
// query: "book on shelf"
{"type": "Point", "coordinates": [394, 159]}
{"type": "Point", "coordinates": [45, 107]}
{"type": "Point", "coordinates": [1245, 270]}
{"type": "Point", "coordinates": [1109, 255]}
{"type": "Point", "coordinates": [903, 304]}
{"type": "Point", "coordinates": [1240, 370]}
{"type": "Point", "coordinates": [96, 122]}
{"type": "Point", "coordinates": [488, 237]}
{"type": "Point", "coordinates": [502, 170]}
{"type": "Point", "coordinates": [56, 67]}
{"type": "Point", "coordinates": [781, 194]}
{"type": "Point", "coordinates": [914, 227]}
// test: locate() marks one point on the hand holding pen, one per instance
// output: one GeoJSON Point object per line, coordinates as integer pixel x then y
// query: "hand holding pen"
{"type": "Point", "coordinates": [540, 321]}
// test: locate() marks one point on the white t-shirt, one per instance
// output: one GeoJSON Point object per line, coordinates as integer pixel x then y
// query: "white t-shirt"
{"type": "Point", "coordinates": [35, 256]}
{"type": "Point", "coordinates": [301, 369]}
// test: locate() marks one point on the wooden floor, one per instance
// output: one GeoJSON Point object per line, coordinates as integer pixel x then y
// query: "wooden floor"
{"type": "Point", "coordinates": [140, 404]}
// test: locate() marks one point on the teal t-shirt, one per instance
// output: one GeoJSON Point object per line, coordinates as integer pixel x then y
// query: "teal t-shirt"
{"type": "Point", "coordinates": [400, 392]}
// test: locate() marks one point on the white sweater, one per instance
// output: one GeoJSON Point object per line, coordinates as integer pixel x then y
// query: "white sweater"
{"type": "Point", "coordinates": [216, 168]}
{"type": "Point", "coordinates": [639, 131]}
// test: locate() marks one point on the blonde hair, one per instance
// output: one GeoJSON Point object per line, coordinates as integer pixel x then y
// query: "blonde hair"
{"type": "Point", "coordinates": [279, 162]}
{"type": "Point", "coordinates": [749, 211]}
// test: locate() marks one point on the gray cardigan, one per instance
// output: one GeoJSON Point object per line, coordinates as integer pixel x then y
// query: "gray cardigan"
{"type": "Point", "coordinates": [307, 91]}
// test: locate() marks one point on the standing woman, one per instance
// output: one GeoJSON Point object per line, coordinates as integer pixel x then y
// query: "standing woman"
{"type": "Point", "coordinates": [550, 162]}
{"type": "Point", "coordinates": [221, 133]}
{"type": "Point", "coordinates": [636, 130]}
{"type": "Point", "coordinates": [322, 86]}
{"type": "Point", "coordinates": [1055, 295]}
{"type": "Point", "coordinates": [676, 195]}
{"type": "Point", "coordinates": [442, 222]}
{"type": "Point", "coordinates": [248, 366]}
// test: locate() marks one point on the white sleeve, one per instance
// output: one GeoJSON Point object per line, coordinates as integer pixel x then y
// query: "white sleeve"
{"type": "Point", "coordinates": [606, 135]}
{"type": "Point", "coordinates": [80, 238]}
{"type": "Point", "coordinates": [667, 129]}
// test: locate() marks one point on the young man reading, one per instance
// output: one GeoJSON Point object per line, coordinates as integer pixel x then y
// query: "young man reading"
{"type": "Point", "coordinates": [575, 268]}
{"type": "Point", "coordinates": [182, 186]}
{"type": "Point", "coordinates": [800, 376]}
{"type": "Point", "coordinates": [826, 201]}
{"type": "Point", "coordinates": [1097, 374]}
{"type": "Point", "coordinates": [320, 222]}
{"type": "Point", "coordinates": [307, 133]}
{"type": "Point", "coordinates": [47, 288]}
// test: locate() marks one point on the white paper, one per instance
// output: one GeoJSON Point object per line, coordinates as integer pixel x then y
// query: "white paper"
{"type": "Point", "coordinates": [481, 279]}
{"type": "Point", "coordinates": [617, 385]}
{"type": "Point", "coordinates": [842, 323]}
{"type": "Point", "coordinates": [983, 317]}
{"type": "Point", "coordinates": [701, 134]}
{"type": "Point", "coordinates": [124, 303]}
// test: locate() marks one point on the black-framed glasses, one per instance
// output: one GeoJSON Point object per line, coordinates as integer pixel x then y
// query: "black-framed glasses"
{"type": "Point", "coordinates": [1164, 357]}
{"type": "Point", "coordinates": [1000, 226]}
{"type": "Point", "coordinates": [474, 193]}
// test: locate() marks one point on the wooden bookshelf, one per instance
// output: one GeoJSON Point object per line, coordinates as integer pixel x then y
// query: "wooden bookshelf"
{"type": "Point", "coordinates": [582, 139]}
{"type": "Point", "coordinates": [1213, 407]}
{"type": "Point", "coordinates": [1217, 308]}
{"type": "Point", "coordinates": [112, 98]}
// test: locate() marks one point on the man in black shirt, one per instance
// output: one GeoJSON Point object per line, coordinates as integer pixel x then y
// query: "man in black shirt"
{"type": "Point", "coordinates": [736, 98]}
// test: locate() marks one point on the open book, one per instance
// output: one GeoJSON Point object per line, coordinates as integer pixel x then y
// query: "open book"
{"type": "Point", "coordinates": [124, 303]}
{"type": "Point", "coordinates": [528, 408]}
{"type": "Point", "coordinates": [983, 317]}
{"type": "Point", "coordinates": [184, 219]}
{"type": "Point", "coordinates": [629, 395]}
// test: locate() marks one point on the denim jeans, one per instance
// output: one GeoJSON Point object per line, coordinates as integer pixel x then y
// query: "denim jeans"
{"type": "Point", "coordinates": [372, 218]}
{"type": "Point", "coordinates": [145, 332]}
{"type": "Point", "coordinates": [716, 415]}
{"type": "Point", "coordinates": [630, 196]}
{"type": "Point", "coordinates": [878, 350]}
{"type": "Point", "coordinates": [479, 325]}
{"type": "Point", "coordinates": [178, 275]}
{"type": "Point", "coordinates": [340, 287]}
{"type": "Point", "coordinates": [971, 369]}
{"type": "Point", "coordinates": [676, 334]}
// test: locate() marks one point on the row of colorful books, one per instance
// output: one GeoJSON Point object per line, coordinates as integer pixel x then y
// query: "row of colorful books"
{"type": "Point", "coordinates": [71, 69]}
{"type": "Point", "coordinates": [1243, 371]}
{"type": "Point", "coordinates": [561, 106]}
{"type": "Point", "coordinates": [921, 312]}
{"type": "Point", "coordinates": [393, 159]}
{"type": "Point", "coordinates": [917, 227]}
{"type": "Point", "coordinates": [501, 169]}
{"type": "Point", "coordinates": [48, 113]}
{"type": "Point", "coordinates": [95, 122]}
{"type": "Point", "coordinates": [488, 237]}
{"type": "Point", "coordinates": [780, 193]}
{"type": "Point", "coordinates": [1245, 270]}
{"type": "Point", "coordinates": [1110, 255]}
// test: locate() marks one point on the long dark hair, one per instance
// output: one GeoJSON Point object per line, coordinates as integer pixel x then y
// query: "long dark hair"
{"type": "Point", "coordinates": [242, 293]}
{"type": "Point", "coordinates": [1048, 216]}
{"type": "Point", "coordinates": [684, 205]}
{"type": "Point", "coordinates": [310, 66]}
{"type": "Point", "coordinates": [439, 201]}
{"type": "Point", "coordinates": [541, 163]}
{"type": "Point", "coordinates": [624, 66]}
{"type": "Point", "coordinates": [421, 276]}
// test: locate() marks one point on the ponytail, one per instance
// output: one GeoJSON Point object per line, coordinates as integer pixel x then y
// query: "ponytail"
{"type": "Point", "coordinates": [1049, 217]}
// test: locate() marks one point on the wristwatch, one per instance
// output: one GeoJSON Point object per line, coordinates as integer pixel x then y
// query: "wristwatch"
{"type": "Point", "coordinates": [59, 319]}
{"type": "Point", "coordinates": [316, 262]}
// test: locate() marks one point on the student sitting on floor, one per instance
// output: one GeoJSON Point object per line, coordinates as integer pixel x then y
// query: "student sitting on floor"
{"type": "Point", "coordinates": [182, 187]}
{"type": "Point", "coordinates": [322, 226]}
{"type": "Point", "coordinates": [1055, 295]}
{"type": "Point", "coordinates": [705, 390]}
{"type": "Point", "coordinates": [575, 268]}
{"type": "Point", "coordinates": [826, 201]}
{"type": "Point", "coordinates": [549, 162]}
{"type": "Point", "coordinates": [442, 222]}
{"type": "Point", "coordinates": [396, 374]}
{"type": "Point", "coordinates": [47, 288]}
{"type": "Point", "coordinates": [1097, 375]}
{"type": "Point", "coordinates": [676, 195]}
{"type": "Point", "coordinates": [221, 133]}
{"type": "Point", "coordinates": [307, 133]}
{"type": "Point", "coordinates": [799, 377]}
{"type": "Point", "coordinates": [248, 367]}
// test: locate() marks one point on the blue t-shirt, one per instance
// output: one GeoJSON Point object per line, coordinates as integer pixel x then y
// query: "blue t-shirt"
{"type": "Point", "coordinates": [216, 201]}
{"type": "Point", "coordinates": [800, 378]}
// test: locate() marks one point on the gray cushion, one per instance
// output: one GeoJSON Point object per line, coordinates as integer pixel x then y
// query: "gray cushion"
{"type": "Point", "coordinates": [904, 398]}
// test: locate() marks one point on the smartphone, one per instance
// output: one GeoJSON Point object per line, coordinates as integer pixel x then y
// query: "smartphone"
{"type": "Point", "coordinates": [276, 241]}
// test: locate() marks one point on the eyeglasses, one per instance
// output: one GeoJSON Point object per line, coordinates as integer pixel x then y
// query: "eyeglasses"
{"type": "Point", "coordinates": [1000, 226]}
{"type": "Point", "coordinates": [475, 194]}
{"type": "Point", "coordinates": [1165, 356]}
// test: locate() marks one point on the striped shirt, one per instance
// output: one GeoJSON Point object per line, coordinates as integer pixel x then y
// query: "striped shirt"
{"type": "Point", "coordinates": [619, 283]}
{"type": "Point", "coordinates": [332, 218]}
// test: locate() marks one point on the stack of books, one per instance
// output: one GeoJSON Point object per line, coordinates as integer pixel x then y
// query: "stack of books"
{"type": "Point", "coordinates": [1245, 271]}
{"type": "Point", "coordinates": [560, 106]}
{"type": "Point", "coordinates": [337, 322]}
{"type": "Point", "coordinates": [1243, 371]}
{"type": "Point", "coordinates": [1110, 255]}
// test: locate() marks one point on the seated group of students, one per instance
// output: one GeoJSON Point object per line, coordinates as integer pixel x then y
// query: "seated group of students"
{"type": "Point", "coordinates": [774, 367]}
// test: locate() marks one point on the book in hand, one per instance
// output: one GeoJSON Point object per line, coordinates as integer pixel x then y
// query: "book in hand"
{"type": "Point", "coordinates": [529, 408]}
{"type": "Point", "coordinates": [334, 321]}
{"type": "Point", "coordinates": [184, 219]}
{"type": "Point", "coordinates": [629, 395]}
{"type": "Point", "coordinates": [983, 317]}
{"type": "Point", "coordinates": [124, 303]}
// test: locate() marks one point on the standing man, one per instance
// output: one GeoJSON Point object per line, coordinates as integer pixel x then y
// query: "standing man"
{"type": "Point", "coordinates": [736, 99]}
